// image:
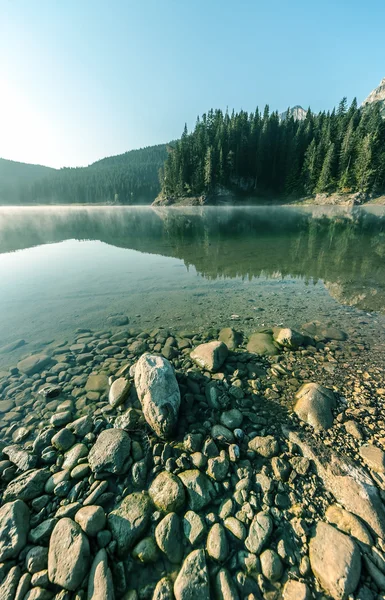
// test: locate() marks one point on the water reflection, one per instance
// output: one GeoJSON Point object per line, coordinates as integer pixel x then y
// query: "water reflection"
{"type": "Point", "coordinates": [345, 248]}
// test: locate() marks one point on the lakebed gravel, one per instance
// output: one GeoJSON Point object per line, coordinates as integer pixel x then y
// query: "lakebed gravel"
{"type": "Point", "coordinates": [173, 464]}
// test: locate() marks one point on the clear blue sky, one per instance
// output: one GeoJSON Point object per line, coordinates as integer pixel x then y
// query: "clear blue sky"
{"type": "Point", "coordinates": [84, 79]}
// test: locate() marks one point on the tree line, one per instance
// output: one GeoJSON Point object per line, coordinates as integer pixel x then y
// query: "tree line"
{"type": "Point", "coordinates": [260, 153]}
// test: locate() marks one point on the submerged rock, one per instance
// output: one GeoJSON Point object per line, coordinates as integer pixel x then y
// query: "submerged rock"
{"type": "Point", "coordinates": [158, 392]}
{"type": "Point", "coordinates": [210, 356]}
{"type": "Point", "coordinates": [314, 405]}
{"type": "Point", "coordinates": [263, 344]}
{"type": "Point", "coordinates": [335, 561]}
{"type": "Point", "coordinates": [33, 364]}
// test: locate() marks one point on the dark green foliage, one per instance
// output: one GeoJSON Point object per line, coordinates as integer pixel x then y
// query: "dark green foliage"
{"type": "Point", "coordinates": [129, 178]}
{"type": "Point", "coordinates": [259, 154]}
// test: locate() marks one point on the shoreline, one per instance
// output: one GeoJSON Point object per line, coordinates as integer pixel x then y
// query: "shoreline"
{"type": "Point", "coordinates": [241, 489]}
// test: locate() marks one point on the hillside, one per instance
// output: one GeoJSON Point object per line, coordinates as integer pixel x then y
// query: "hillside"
{"type": "Point", "coordinates": [377, 96]}
{"type": "Point", "coordinates": [15, 176]}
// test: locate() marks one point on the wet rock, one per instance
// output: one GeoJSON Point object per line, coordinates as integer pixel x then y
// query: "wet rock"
{"type": "Point", "coordinates": [335, 561]}
{"type": "Point", "coordinates": [21, 458]}
{"type": "Point", "coordinates": [314, 405]}
{"type": "Point", "coordinates": [14, 527]}
{"type": "Point", "coordinates": [168, 537]}
{"type": "Point", "coordinates": [111, 452]}
{"type": "Point", "coordinates": [97, 383]}
{"type": "Point", "coordinates": [100, 584]}
{"type": "Point", "coordinates": [263, 344]}
{"type": "Point", "coordinates": [289, 338]}
{"type": "Point", "coordinates": [158, 392]}
{"type": "Point", "coordinates": [266, 446]}
{"type": "Point", "coordinates": [259, 532]}
{"type": "Point", "coordinates": [167, 492]}
{"type": "Point", "coordinates": [68, 555]}
{"type": "Point", "coordinates": [91, 519]}
{"type": "Point", "coordinates": [348, 523]}
{"type": "Point", "coordinates": [271, 565]}
{"type": "Point", "coordinates": [372, 456]}
{"type": "Point", "coordinates": [210, 356]}
{"type": "Point", "coordinates": [296, 590]}
{"type": "Point", "coordinates": [118, 391]}
{"type": "Point", "coordinates": [193, 527]}
{"type": "Point", "coordinates": [12, 346]}
{"type": "Point", "coordinates": [224, 586]}
{"type": "Point", "coordinates": [27, 486]}
{"type": "Point", "coordinates": [324, 332]}
{"type": "Point", "coordinates": [33, 364]}
{"type": "Point", "coordinates": [200, 490]}
{"type": "Point", "coordinates": [63, 440]}
{"type": "Point", "coordinates": [347, 481]}
{"type": "Point", "coordinates": [230, 337]}
{"type": "Point", "coordinates": [129, 520]}
{"type": "Point", "coordinates": [192, 582]}
{"type": "Point", "coordinates": [217, 546]}
{"type": "Point", "coordinates": [163, 590]}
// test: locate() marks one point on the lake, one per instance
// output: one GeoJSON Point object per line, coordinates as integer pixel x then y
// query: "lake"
{"type": "Point", "coordinates": [64, 268]}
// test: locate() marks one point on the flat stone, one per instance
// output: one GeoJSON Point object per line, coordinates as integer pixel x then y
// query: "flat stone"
{"type": "Point", "coordinates": [348, 523]}
{"type": "Point", "coordinates": [348, 482]}
{"type": "Point", "coordinates": [119, 391]}
{"type": "Point", "coordinates": [21, 458]}
{"type": "Point", "coordinates": [193, 527]}
{"type": "Point", "coordinates": [68, 555]}
{"type": "Point", "coordinates": [111, 452]}
{"type": "Point", "coordinates": [167, 492]}
{"type": "Point", "coordinates": [259, 532]}
{"type": "Point", "coordinates": [33, 364]}
{"type": "Point", "coordinates": [314, 405]}
{"type": "Point", "coordinates": [335, 561]}
{"type": "Point", "coordinates": [210, 356]}
{"type": "Point", "coordinates": [97, 383]}
{"type": "Point", "coordinates": [373, 457]}
{"type": "Point", "coordinates": [192, 582]}
{"type": "Point", "coordinates": [217, 545]}
{"type": "Point", "coordinates": [129, 520]}
{"type": "Point", "coordinates": [324, 332]}
{"type": "Point", "coordinates": [158, 392]}
{"type": "Point", "coordinates": [12, 346]}
{"type": "Point", "coordinates": [14, 527]}
{"type": "Point", "coordinates": [200, 490]}
{"type": "Point", "coordinates": [27, 486]}
{"type": "Point", "coordinates": [169, 538]}
{"type": "Point", "coordinates": [263, 344]}
{"type": "Point", "coordinates": [100, 584]}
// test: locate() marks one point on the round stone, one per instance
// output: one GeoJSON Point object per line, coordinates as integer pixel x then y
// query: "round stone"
{"type": "Point", "coordinates": [167, 492]}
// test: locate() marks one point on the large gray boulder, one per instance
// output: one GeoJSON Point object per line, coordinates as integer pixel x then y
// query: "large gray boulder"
{"type": "Point", "coordinates": [350, 485]}
{"type": "Point", "coordinates": [314, 405]}
{"type": "Point", "coordinates": [129, 521]}
{"type": "Point", "coordinates": [100, 584]}
{"type": "Point", "coordinates": [335, 561]}
{"type": "Point", "coordinates": [192, 582]}
{"type": "Point", "coordinates": [210, 356]}
{"type": "Point", "coordinates": [68, 555]}
{"type": "Point", "coordinates": [111, 452]}
{"type": "Point", "coordinates": [14, 527]}
{"type": "Point", "coordinates": [158, 392]}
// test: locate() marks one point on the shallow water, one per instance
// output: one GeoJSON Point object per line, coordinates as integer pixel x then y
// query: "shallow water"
{"type": "Point", "coordinates": [189, 268]}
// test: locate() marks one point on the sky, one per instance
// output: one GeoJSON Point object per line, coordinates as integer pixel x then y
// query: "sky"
{"type": "Point", "coordinates": [85, 79]}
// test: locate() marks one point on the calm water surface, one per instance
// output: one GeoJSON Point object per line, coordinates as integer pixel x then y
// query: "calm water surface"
{"type": "Point", "coordinates": [186, 268]}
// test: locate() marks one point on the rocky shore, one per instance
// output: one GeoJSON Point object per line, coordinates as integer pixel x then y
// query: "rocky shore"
{"type": "Point", "coordinates": [160, 465]}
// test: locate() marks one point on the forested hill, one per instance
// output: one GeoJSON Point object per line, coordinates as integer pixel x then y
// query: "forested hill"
{"type": "Point", "coordinates": [16, 175]}
{"type": "Point", "coordinates": [260, 154]}
{"type": "Point", "coordinates": [129, 178]}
